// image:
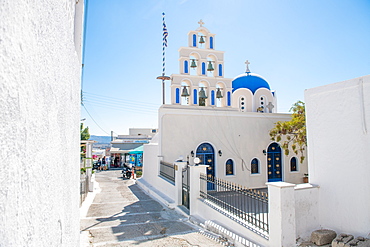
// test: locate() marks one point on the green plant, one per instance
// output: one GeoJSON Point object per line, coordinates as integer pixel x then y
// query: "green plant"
{"type": "Point", "coordinates": [294, 131]}
{"type": "Point", "coordinates": [139, 173]}
{"type": "Point", "coordinates": [83, 170]}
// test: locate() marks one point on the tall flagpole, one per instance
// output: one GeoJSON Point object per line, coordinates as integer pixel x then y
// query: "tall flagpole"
{"type": "Point", "coordinates": [163, 77]}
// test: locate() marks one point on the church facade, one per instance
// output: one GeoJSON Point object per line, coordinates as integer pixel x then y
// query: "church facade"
{"type": "Point", "coordinates": [224, 122]}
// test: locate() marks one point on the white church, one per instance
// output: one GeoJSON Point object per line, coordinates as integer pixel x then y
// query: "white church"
{"type": "Point", "coordinates": [225, 122]}
{"type": "Point", "coordinates": [220, 126]}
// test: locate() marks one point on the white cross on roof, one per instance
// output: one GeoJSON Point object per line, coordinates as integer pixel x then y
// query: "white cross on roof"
{"type": "Point", "coordinates": [247, 63]}
{"type": "Point", "coordinates": [200, 22]}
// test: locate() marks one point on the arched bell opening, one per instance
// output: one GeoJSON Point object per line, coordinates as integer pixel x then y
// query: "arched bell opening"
{"type": "Point", "coordinates": [211, 65]}
{"type": "Point", "coordinates": [203, 94]}
{"type": "Point", "coordinates": [194, 64]}
{"type": "Point", "coordinates": [220, 94]}
{"type": "Point", "coordinates": [185, 92]}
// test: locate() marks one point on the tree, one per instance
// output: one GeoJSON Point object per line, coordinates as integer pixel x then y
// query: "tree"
{"type": "Point", "coordinates": [293, 132]}
{"type": "Point", "coordinates": [85, 135]}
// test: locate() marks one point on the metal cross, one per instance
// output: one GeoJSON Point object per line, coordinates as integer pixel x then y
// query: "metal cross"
{"type": "Point", "coordinates": [247, 63]}
{"type": "Point", "coordinates": [270, 106]}
{"type": "Point", "coordinates": [200, 22]}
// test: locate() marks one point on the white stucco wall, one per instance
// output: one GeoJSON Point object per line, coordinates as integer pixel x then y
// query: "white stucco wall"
{"type": "Point", "coordinates": [39, 123]}
{"type": "Point", "coordinates": [306, 210]}
{"type": "Point", "coordinates": [338, 130]}
{"type": "Point", "coordinates": [238, 135]}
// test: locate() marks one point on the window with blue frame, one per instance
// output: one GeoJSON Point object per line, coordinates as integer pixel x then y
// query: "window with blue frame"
{"type": "Point", "coordinates": [220, 70]}
{"type": "Point", "coordinates": [229, 167]}
{"type": "Point", "coordinates": [195, 97]}
{"type": "Point", "coordinates": [293, 164]}
{"type": "Point", "coordinates": [212, 97]}
{"type": "Point", "coordinates": [203, 68]}
{"type": "Point", "coordinates": [186, 66]}
{"type": "Point", "coordinates": [228, 99]}
{"type": "Point", "coordinates": [194, 40]}
{"type": "Point", "coordinates": [211, 42]}
{"type": "Point", "coordinates": [255, 169]}
{"type": "Point", "coordinates": [177, 95]}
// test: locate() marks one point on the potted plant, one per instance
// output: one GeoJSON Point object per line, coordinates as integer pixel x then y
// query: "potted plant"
{"type": "Point", "coordinates": [305, 178]}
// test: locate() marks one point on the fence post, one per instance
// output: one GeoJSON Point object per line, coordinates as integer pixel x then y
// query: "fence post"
{"type": "Point", "coordinates": [195, 172]}
{"type": "Point", "coordinates": [178, 181]}
{"type": "Point", "coordinates": [282, 228]}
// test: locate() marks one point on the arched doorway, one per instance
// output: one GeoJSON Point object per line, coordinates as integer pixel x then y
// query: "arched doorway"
{"type": "Point", "coordinates": [206, 154]}
{"type": "Point", "coordinates": [274, 169]}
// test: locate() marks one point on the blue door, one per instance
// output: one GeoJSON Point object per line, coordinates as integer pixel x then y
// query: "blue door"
{"type": "Point", "coordinates": [206, 154]}
{"type": "Point", "coordinates": [274, 169]}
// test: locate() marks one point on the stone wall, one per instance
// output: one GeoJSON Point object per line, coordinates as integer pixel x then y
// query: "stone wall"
{"type": "Point", "coordinates": [39, 122]}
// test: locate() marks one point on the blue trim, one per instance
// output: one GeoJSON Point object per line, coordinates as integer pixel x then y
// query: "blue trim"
{"type": "Point", "coordinates": [255, 168]}
{"type": "Point", "coordinates": [212, 97]}
{"type": "Point", "coordinates": [203, 68]}
{"type": "Point", "coordinates": [220, 70]}
{"type": "Point", "coordinates": [229, 167]}
{"type": "Point", "coordinates": [228, 98]}
{"type": "Point", "coordinates": [186, 67]}
{"type": "Point", "coordinates": [206, 154]}
{"type": "Point", "coordinates": [211, 42]}
{"type": "Point", "coordinates": [194, 40]}
{"type": "Point", "coordinates": [274, 163]}
{"type": "Point", "coordinates": [195, 96]}
{"type": "Point", "coordinates": [177, 95]}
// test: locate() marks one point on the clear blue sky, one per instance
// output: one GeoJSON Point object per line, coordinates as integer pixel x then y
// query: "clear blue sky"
{"type": "Point", "coordinates": [294, 44]}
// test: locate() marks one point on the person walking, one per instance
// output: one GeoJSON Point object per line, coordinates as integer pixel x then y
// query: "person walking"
{"type": "Point", "coordinates": [104, 163]}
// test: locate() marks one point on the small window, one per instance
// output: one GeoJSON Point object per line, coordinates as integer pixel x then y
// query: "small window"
{"type": "Point", "coordinates": [229, 167]}
{"type": "Point", "coordinates": [293, 164]}
{"type": "Point", "coordinates": [154, 131]}
{"type": "Point", "coordinates": [255, 166]}
{"type": "Point", "coordinates": [194, 40]}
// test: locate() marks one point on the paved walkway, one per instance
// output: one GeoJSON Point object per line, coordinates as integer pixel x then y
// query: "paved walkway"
{"type": "Point", "coordinates": [123, 215]}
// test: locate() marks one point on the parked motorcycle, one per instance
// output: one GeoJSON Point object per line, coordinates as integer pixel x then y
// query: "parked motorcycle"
{"type": "Point", "coordinates": [126, 172]}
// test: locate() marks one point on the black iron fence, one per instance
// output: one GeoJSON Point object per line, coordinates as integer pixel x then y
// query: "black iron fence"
{"type": "Point", "coordinates": [167, 170]}
{"type": "Point", "coordinates": [248, 205]}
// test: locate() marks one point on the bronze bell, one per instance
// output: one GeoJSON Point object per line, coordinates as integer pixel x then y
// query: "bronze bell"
{"type": "Point", "coordinates": [210, 66]}
{"type": "Point", "coordinates": [219, 94]}
{"type": "Point", "coordinates": [185, 92]}
{"type": "Point", "coordinates": [193, 64]}
{"type": "Point", "coordinates": [201, 40]}
{"type": "Point", "coordinates": [202, 94]}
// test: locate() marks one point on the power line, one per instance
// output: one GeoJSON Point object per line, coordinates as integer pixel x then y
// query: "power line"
{"type": "Point", "coordinates": [94, 120]}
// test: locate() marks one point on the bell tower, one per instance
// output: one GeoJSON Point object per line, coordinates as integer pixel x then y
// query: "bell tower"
{"type": "Point", "coordinates": [201, 79]}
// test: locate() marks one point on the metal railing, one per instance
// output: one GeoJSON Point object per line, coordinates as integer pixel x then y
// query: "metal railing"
{"type": "Point", "coordinates": [248, 205]}
{"type": "Point", "coordinates": [84, 189]}
{"type": "Point", "coordinates": [167, 170]}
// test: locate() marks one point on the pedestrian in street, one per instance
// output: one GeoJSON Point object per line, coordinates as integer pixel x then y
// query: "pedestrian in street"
{"type": "Point", "coordinates": [103, 163]}
{"type": "Point", "coordinates": [99, 164]}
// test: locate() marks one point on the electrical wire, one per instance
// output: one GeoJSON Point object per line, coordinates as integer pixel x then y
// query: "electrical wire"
{"type": "Point", "coordinates": [94, 120]}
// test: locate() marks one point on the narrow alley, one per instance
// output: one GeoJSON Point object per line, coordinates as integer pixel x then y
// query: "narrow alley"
{"type": "Point", "coordinates": [123, 215]}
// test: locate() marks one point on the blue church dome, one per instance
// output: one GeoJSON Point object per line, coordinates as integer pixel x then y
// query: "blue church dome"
{"type": "Point", "coordinates": [251, 81]}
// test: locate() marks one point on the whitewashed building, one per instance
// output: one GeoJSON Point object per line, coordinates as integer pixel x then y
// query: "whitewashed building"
{"type": "Point", "coordinates": [338, 131]}
{"type": "Point", "coordinates": [223, 121]}
{"type": "Point", "coordinates": [40, 78]}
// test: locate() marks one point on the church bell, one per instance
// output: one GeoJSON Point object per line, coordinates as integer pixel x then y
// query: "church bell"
{"type": "Point", "coordinates": [193, 64]}
{"type": "Point", "coordinates": [202, 94]}
{"type": "Point", "coordinates": [210, 66]}
{"type": "Point", "coordinates": [201, 40]}
{"type": "Point", "coordinates": [219, 94]}
{"type": "Point", "coordinates": [184, 92]}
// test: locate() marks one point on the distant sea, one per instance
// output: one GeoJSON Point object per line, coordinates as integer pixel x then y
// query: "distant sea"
{"type": "Point", "coordinates": [101, 139]}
